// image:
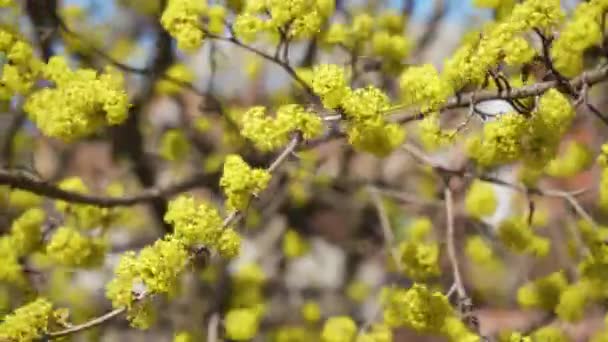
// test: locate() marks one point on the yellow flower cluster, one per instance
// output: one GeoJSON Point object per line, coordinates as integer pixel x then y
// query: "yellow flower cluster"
{"type": "Point", "coordinates": [25, 237]}
{"type": "Point", "coordinates": [471, 62]}
{"type": "Point", "coordinates": [575, 159]}
{"type": "Point", "coordinates": [367, 127]}
{"type": "Point", "coordinates": [382, 36]}
{"type": "Point", "coordinates": [513, 136]}
{"type": "Point", "coordinates": [247, 287]}
{"type": "Point", "coordinates": [269, 134]}
{"type": "Point", "coordinates": [300, 18]}
{"type": "Point", "coordinates": [21, 199]}
{"type": "Point", "coordinates": [422, 86]}
{"type": "Point", "coordinates": [418, 256]}
{"type": "Point", "coordinates": [430, 133]}
{"type": "Point", "coordinates": [339, 329]}
{"type": "Point", "coordinates": [542, 293]}
{"type": "Point", "coordinates": [481, 253]}
{"type": "Point", "coordinates": [330, 83]}
{"type": "Point", "coordinates": [26, 231]}
{"type": "Point", "coordinates": [174, 145]}
{"type": "Point", "coordinates": [581, 32]}
{"type": "Point", "coordinates": [418, 308]}
{"type": "Point", "coordinates": [80, 103]}
{"type": "Point", "coordinates": [242, 324]}
{"type": "Point", "coordinates": [480, 200]}
{"type": "Point", "coordinates": [181, 18]}
{"type": "Point", "coordinates": [69, 247]}
{"type": "Point", "coordinates": [518, 236]}
{"type": "Point", "coordinates": [27, 323]}
{"type": "Point", "coordinates": [157, 267]}
{"type": "Point", "coordinates": [294, 245]}
{"type": "Point", "coordinates": [21, 67]}
{"type": "Point", "coordinates": [82, 216]}
{"type": "Point", "coordinates": [240, 182]}
{"type": "Point", "coordinates": [573, 300]}
{"type": "Point", "coordinates": [200, 223]}
{"type": "Point", "coordinates": [426, 311]}
{"type": "Point", "coordinates": [216, 15]}
{"type": "Point", "coordinates": [602, 160]}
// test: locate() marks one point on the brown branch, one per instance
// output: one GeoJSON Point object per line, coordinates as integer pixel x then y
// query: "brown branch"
{"type": "Point", "coordinates": [589, 77]}
{"type": "Point", "coordinates": [26, 181]}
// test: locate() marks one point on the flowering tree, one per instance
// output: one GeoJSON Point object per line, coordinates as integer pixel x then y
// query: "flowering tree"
{"type": "Point", "coordinates": [219, 214]}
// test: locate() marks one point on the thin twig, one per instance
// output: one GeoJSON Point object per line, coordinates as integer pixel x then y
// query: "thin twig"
{"type": "Point", "coordinates": [451, 248]}
{"type": "Point", "coordinates": [387, 232]}
{"type": "Point", "coordinates": [87, 325]}
{"type": "Point", "coordinates": [212, 327]}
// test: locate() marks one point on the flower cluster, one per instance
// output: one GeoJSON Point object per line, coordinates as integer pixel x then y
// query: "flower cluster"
{"type": "Point", "coordinates": [69, 247]}
{"type": "Point", "coordinates": [382, 36]}
{"type": "Point", "coordinates": [247, 287]}
{"type": "Point", "coordinates": [80, 103]}
{"type": "Point", "coordinates": [330, 83]}
{"type": "Point", "coordinates": [367, 127]}
{"type": "Point", "coordinates": [542, 293]}
{"type": "Point", "coordinates": [422, 86]}
{"type": "Point", "coordinates": [471, 62]}
{"type": "Point", "coordinates": [575, 158]}
{"type": "Point", "coordinates": [294, 245]}
{"type": "Point", "coordinates": [432, 135]}
{"type": "Point", "coordinates": [21, 68]}
{"type": "Point", "coordinates": [242, 324]}
{"type": "Point", "coordinates": [581, 32]}
{"type": "Point", "coordinates": [339, 329]}
{"type": "Point", "coordinates": [419, 256]}
{"type": "Point", "coordinates": [480, 200]}
{"type": "Point", "coordinates": [27, 323]}
{"type": "Point", "coordinates": [26, 232]}
{"type": "Point", "coordinates": [271, 133]}
{"type": "Point", "coordinates": [174, 145]}
{"type": "Point", "coordinates": [518, 236]}
{"type": "Point", "coordinates": [200, 223]}
{"type": "Point", "coordinates": [25, 237]}
{"type": "Point", "coordinates": [299, 18]}
{"type": "Point", "coordinates": [418, 308]}
{"type": "Point", "coordinates": [181, 19]}
{"type": "Point", "coordinates": [240, 182]}
{"type": "Point", "coordinates": [513, 136]}
{"type": "Point", "coordinates": [157, 267]}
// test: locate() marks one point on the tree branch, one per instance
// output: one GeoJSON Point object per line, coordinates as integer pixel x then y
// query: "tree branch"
{"type": "Point", "coordinates": [589, 77]}
{"type": "Point", "coordinates": [27, 181]}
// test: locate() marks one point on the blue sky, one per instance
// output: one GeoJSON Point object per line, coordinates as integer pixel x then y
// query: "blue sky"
{"type": "Point", "coordinates": [458, 9]}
